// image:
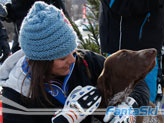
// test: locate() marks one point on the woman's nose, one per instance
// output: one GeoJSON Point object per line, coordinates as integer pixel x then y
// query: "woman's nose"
{"type": "Point", "coordinates": [71, 59]}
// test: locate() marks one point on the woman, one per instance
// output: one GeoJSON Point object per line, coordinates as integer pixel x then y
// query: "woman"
{"type": "Point", "coordinates": [49, 68]}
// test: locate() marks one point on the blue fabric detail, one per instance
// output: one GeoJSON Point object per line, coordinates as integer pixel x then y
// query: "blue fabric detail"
{"type": "Point", "coordinates": [111, 3]}
{"type": "Point", "coordinates": [73, 96]}
{"type": "Point", "coordinates": [45, 33]}
{"type": "Point", "coordinates": [97, 104]}
{"type": "Point", "coordinates": [81, 93]}
{"type": "Point", "coordinates": [26, 68]}
{"type": "Point", "coordinates": [108, 54]}
{"type": "Point", "coordinates": [89, 88]}
{"type": "Point", "coordinates": [57, 93]}
{"type": "Point", "coordinates": [140, 33]}
{"type": "Point", "coordinates": [65, 85]}
{"type": "Point", "coordinates": [151, 80]}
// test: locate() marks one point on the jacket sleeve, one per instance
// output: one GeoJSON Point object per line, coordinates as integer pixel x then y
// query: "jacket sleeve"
{"type": "Point", "coordinates": [141, 93]}
{"type": "Point", "coordinates": [18, 9]}
{"type": "Point", "coordinates": [4, 50]}
{"type": "Point", "coordinates": [95, 64]}
{"type": "Point", "coordinates": [133, 7]}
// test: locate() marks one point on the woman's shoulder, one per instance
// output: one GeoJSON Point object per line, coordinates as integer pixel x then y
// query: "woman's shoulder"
{"type": "Point", "coordinates": [88, 54]}
{"type": "Point", "coordinates": [91, 61]}
{"type": "Point", "coordinates": [90, 58]}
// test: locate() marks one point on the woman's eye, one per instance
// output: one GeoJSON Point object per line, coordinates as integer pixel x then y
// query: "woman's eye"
{"type": "Point", "coordinates": [63, 58]}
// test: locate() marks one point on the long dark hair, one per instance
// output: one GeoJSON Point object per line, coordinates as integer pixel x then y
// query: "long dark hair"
{"type": "Point", "coordinates": [41, 72]}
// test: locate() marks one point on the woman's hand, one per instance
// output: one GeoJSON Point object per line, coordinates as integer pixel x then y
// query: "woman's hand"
{"type": "Point", "coordinates": [123, 113]}
{"type": "Point", "coordinates": [81, 102]}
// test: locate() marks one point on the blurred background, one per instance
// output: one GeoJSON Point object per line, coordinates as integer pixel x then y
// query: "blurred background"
{"type": "Point", "coordinates": [79, 12]}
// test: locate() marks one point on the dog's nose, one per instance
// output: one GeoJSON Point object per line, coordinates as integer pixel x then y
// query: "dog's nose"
{"type": "Point", "coordinates": [152, 51]}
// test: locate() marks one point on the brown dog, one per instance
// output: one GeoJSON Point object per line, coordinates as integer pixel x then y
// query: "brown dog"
{"type": "Point", "coordinates": [122, 70]}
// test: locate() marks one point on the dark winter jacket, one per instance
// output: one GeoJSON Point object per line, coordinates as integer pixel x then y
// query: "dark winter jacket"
{"type": "Point", "coordinates": [79, 76]}
{"type": "Point", "coordinates": [134, 25]}
{"type": "Point", "coordinates": [18, 9]}
{"type": "Point", "coordinates": [3, 32]}
{"type": "Point", "coordinates": [4, 46]}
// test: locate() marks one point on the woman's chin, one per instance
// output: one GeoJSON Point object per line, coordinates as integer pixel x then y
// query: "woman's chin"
{"type": "Point", "coordinates": [66, 72]}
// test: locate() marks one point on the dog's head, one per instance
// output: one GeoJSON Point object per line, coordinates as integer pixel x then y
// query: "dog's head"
{"type": "Point", "coordinates": [123, 68]}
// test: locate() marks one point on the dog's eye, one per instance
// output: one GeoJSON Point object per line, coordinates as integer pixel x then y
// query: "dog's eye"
{"type": "Point", "coordinates": [124, 54]}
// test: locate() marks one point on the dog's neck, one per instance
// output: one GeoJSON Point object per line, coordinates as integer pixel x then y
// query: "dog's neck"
{"type": "Point", "coordinates": [120, 96]}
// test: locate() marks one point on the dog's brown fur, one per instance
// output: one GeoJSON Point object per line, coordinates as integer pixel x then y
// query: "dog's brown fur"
{"type": "Point", "coordinates": [122, 70]}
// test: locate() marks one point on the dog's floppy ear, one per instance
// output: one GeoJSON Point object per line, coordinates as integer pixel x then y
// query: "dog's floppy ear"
{"type": "Point", "coordinates": [101, 87]}
{"type": "Point", "coordinates": [105, 88]}
{"type": "Point", "coordinates": [108, 92]}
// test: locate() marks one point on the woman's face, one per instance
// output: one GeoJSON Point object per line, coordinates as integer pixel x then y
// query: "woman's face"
{"type": "Point", "coordinates": [61, 66]}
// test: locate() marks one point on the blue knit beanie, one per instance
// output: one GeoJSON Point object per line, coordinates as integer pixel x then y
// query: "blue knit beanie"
{"type": "Point", "coordinates": [45, 33]}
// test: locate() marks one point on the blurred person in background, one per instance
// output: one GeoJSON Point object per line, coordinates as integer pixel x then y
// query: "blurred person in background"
{"type": "Point", "coordinates": [134, 25]}
{"type": "Point", "coordinates": [17, 10]}
{"type": "Point", "coordinates": [4, 45]}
